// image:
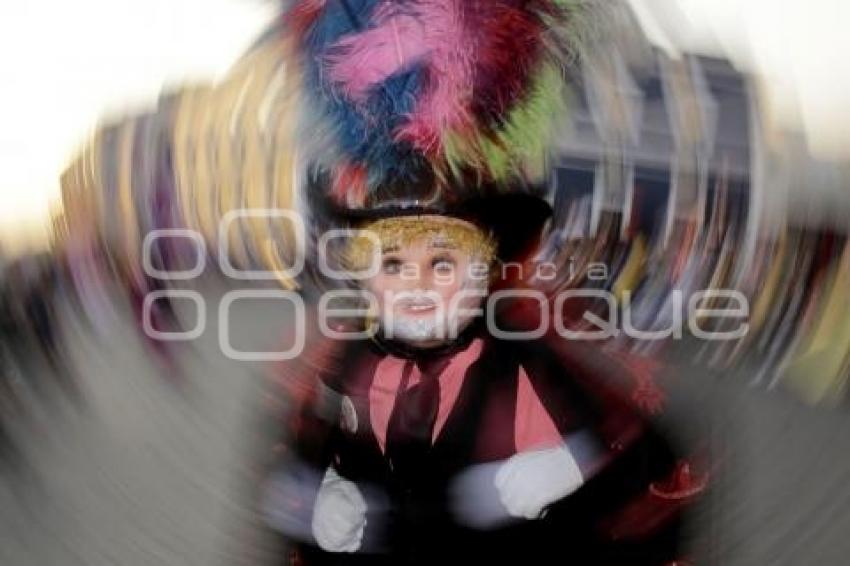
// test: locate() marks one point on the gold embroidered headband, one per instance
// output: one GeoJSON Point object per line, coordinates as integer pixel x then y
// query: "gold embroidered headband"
{"type": "Point", "coordinates": [402, 231]}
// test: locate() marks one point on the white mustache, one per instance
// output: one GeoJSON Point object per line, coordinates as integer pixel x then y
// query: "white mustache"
{"type": "Point", "coordinates": [416, 300]}
{"type": "Point", "coordinates": [417, 304]}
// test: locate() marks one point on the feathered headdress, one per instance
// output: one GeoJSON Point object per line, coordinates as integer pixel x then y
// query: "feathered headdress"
{"type": "Point", "coordinates": [468, 89]}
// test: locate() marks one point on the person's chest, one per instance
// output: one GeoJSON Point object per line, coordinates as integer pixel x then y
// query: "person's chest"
{"type": "Point", "coordinates": [487, 411]}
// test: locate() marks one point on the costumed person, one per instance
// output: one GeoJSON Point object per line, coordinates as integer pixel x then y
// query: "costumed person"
{"type": "Point", "coordinates": [431, 433]}
{"type": "Point", "coordinates": [435, 440]}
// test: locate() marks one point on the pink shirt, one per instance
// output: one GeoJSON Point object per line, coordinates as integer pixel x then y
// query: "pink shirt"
{"type": "Point", "coordinates": [533, 427]}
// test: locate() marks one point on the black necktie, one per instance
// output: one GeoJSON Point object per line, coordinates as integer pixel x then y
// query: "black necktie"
{"type": "Point", "coordinates": [412, 421]}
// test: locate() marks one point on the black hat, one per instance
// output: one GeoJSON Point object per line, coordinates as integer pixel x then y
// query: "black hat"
{"type": "Point", "coordinates": [515, 216]}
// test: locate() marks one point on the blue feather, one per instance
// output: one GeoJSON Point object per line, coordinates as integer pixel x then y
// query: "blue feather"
{"type": "Point", "coordinates": [364, 132]}
{"type": "Point", "coordinates": [338, 19]}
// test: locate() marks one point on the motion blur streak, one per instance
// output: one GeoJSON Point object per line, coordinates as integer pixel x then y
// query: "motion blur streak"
{"type": "Point", "coordinates": [128, 437]}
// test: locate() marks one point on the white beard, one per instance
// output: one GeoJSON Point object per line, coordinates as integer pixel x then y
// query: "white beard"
{"type": "Point", "coordinates": [441, 326]}
{"type": "Point", "coordinates": [412, 330]}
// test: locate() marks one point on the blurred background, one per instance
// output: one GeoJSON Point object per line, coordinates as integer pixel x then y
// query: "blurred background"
{"type": "Point", "coordinates": [707, 149]}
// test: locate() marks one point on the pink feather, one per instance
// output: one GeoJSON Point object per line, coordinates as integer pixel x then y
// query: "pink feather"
{"type": "Point", "coordinates": [349, 186]}
{"type": "Point", "coordinates": [445, 106]}
{"type": "Point", "coordinates": [433, 29]}
{"type": "Point", "coordinates": [358, 62]}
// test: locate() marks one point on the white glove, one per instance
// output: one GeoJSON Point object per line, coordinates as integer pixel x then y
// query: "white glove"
{"type": "Point", "coordinates": [339, 516]}
{"type": "Point", "coordinates": [529, 481]}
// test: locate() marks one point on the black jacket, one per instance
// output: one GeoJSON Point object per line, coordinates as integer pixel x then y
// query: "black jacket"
{"type": "Point", "coordinates": [594, 525]}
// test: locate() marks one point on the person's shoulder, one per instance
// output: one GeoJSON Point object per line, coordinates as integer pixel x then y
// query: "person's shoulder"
{"type": "Point", "coordinates": [351, 363]}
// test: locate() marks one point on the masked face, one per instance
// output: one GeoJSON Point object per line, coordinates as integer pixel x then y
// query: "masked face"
{"type": "Point", "coordinates": [428, 289]}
